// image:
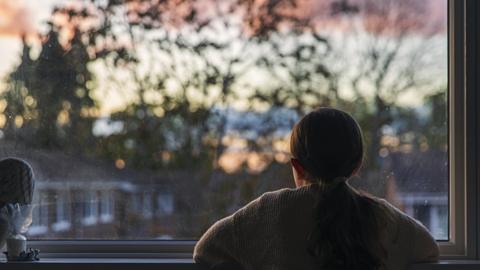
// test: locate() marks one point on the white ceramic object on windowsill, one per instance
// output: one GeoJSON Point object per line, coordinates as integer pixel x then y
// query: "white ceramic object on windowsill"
{"type": "Point", "coordinates": [16, 244]}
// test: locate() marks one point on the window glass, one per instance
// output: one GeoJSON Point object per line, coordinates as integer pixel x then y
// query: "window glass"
{"type": "Point", "coordinates": [147, 207]}
{"type": "Point", "coordinates": [153, 119]}
{"type": "Point", "coordinates": [40, 216]}
{"type": "Point", "coordinates": [107, 206]}
{"type": "Point", "coordinates": [62, 212]}
{"type": "Point", "coordinates": [165, 204]}
{"type": "Point", "coordinates": [90, 208]}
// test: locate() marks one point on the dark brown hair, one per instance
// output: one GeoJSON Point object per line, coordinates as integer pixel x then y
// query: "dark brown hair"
{"type": "Point", "coordinates": [328, 144]}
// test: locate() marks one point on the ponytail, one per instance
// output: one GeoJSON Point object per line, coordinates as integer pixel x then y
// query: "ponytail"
{"type": "Point", "coordinates": [328, 144]}
{"type": "Point", "coordinates": [345, 235]}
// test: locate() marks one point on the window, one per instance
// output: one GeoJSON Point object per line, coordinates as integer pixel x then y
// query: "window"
{"type": "Point", "coordinates": [161, 125]}
{"type": "Point", "coordinates": [40, 214]}
{"type": "Point", "coordinates": [106, 206]}
{"type": "Point", "coordinates": [136, 203]}
{"type": "Point", "coordinates": [62, 212]}
{"type": "Point", "coordinates": [147, 206]}
{"type": "Point", "coordinates": [90, 208]}
{"type": "Point", "coordinates": [165, 204]}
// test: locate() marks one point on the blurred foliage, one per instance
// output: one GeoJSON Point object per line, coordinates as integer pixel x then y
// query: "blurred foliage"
{"type": "Point", "coordinates": [55, 123]}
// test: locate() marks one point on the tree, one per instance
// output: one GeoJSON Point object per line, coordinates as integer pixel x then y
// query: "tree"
{"type": "Point", "coordinates": [49, 99]}
{"type": "Point", "coordinates": [53, 94]}
{"type": "Point", "coordinates": [390, 60]}
{"type": "Point", "coordinates": [200, 65]}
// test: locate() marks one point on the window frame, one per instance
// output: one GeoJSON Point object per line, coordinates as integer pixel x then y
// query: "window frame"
{"type": "Point", "coordinates": [463, 173]}
{"type": "Point", "coordinates": [463, 210]}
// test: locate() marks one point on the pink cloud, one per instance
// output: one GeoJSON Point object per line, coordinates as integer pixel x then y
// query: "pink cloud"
{"type": "Point", "coordinates": [15, 19]}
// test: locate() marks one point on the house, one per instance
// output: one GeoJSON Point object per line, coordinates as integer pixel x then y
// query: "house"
{"type": "Point", "coordinates": [79, 198]}
{"type": "Point", "coordinates": [418, 185]}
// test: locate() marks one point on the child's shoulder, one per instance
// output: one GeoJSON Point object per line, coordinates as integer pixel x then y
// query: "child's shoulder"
{"type": "Point", "coordinates": [393, 211]}
{"type": "Point", "coordinates": [285, 195]}
{"type": "Point", "coordinates": [398, 222]}
{"type": "Point", "coordinates": [277, 201]}
{"type": "Point", "coordinates": [389, 212]}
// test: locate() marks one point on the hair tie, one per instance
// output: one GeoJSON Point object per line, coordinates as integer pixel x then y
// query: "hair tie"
{"type": "Point", "coordinates": [335, 182]}
{"type": "Point", "coordinates": [339, 180]}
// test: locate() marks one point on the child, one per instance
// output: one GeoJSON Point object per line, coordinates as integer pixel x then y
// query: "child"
{"type": "Point", "coordinates": [324, 223]}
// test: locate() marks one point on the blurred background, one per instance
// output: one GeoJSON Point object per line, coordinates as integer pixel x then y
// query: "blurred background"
{"type": "Point", "coordinates": [153, 119]}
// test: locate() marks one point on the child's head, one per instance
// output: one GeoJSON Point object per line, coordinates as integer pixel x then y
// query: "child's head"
{"type": "Point", "coordinates": [326, 144]}
{"type": "Point", "coordinates": [327, 148]}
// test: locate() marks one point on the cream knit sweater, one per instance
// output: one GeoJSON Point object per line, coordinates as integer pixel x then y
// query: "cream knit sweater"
{"type": "Point", "coordinates": [271, 233]}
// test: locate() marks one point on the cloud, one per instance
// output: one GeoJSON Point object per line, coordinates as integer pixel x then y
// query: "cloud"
{"type": "Point", "coordinates": [383, 17]}
{"type": "Point", "coordinates": [15, 19]}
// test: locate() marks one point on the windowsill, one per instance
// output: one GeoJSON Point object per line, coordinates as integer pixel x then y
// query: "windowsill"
{"type": "Point", "coordinates": [37, 229]}
{"type": "Point", "coordinates": [448, 265]}
{"type": "Point", "coordinates": [100, 263]}
{"type": "Point", "coordinates": [106, 218]}
{"type": "Point", "coordinates": [89, 221]}
{"type": "Point", "coordinates": [178, 264]}
{"type": "Point", "coordinates": [61, 226]}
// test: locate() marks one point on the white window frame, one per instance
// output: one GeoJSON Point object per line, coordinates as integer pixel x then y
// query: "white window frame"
{"type": "Point", "coordinates": [463, 190]}
{"type": "Point", "coordinates": [463, 212]}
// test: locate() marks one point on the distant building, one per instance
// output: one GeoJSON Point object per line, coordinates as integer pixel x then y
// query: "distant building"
{"type": "Point", "coordinates": [83, 199]}
{"type": "Point", "coordinates": [418, 185]}
{"type": "Point", "coordinates": [76, 198]}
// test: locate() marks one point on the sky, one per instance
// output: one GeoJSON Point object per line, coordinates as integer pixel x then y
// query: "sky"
{"type": "Point", "coordinates": [28, 16]}
{"type": "Point", "coordinates": [17, 16]}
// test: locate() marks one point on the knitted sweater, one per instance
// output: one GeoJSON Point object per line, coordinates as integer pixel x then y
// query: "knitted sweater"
{"type": "Point", "coordinates": [271, 233]}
